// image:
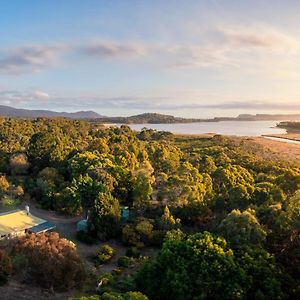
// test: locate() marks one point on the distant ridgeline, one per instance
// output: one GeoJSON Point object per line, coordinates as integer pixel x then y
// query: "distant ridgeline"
{"type": "Point", "coordinates": [154, 118]}
{"type": "Point", "coordinates": [149, 118]}
{"type": "Point", "coordinates": [145, 118]}
{"type": "Point", "coordinates": [268, 117]}
{"type": "Point", "coordinates": [11, 112]}
{"type": "Point", "coordinates": [290, 126]}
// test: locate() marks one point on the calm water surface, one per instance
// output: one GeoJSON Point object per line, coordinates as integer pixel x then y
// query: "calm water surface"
{"type": "Point", "coordinates": [239, 128]}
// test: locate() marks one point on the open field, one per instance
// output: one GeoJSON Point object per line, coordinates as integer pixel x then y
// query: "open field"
{"type": "Point", "coordinates": [266, 147]}
{"type": "Point", "coordinates": [286, 151]}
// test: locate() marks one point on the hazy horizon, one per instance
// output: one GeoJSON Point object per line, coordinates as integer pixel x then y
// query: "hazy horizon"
{"type": "Point", "coordinates": [184, 58]}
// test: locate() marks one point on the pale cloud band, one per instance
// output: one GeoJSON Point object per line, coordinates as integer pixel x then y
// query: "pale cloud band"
{"type": "Point", "coordinates": [222, 50]}
{"type": "Point", "coordinates": [43, 99]}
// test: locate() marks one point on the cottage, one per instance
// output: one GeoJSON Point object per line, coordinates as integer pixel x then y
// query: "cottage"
{"type": "Point", "coordinates": [19, 222]}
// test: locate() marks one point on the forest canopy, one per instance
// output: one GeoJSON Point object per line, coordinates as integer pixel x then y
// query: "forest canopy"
{"type": "Point", "coordinates": [222, 213]}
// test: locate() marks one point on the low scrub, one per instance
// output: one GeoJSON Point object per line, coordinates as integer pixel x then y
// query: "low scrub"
{"type": "Point", "coordinates": [5, 267]}
{"type": "Point", "coordinates": [48, 260]}
{"type": "Point", "coordinates": [104, 254]}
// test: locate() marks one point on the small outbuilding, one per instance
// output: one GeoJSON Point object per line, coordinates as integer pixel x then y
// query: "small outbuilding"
{"type": "Point", "coordinates": [82, 225]}
{"type": "Point", "coordinates": [124, 213]}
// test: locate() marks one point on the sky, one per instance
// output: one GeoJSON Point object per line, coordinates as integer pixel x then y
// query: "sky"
{"type": "Point", "coordinates": [189, 58]}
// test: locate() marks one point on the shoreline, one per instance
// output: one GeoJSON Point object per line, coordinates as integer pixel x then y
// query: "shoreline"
{"type": "Point", "coordinates": [288, 137]}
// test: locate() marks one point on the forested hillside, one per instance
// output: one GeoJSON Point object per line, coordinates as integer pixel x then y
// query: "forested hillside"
{"type": "Point", "coordinates": [223, 218]}
{"type": "Point", "coordinates": [290, 126]}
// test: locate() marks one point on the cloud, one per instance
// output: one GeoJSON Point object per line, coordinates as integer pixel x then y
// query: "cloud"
{"type": "Point", "coordinates": [171, 55]}
{"type": "Point", "coordinates": [165, 103]}
{"type": "Point", "coordinates": [247, 105]}
{"type": "Point", "coordinates": [228, 44]}
{"type": "Point", "coordinates": [233, 46]}
{"type": "Point", "coordinates": [257, 37]}
{"type": "Point", "coordinates": [36, 99]}
{"type": "Point", "coordinates": [28, 59]}
{"type": "Point", "coordinates": [22, 98]}
{"type": "Point", "coordinates": [41, 95]}
{"type": "Point", "coordinates": [194, 56]}
{"type": "Point", "coordinates": [113, 50]}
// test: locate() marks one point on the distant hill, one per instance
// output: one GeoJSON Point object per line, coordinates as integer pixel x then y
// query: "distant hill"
{"type": "Point", "coordinates": [7, 111]}
{"type": "Point", "coordinates": [266, 117]}
{"type": "Point", "coordinates": [154, 118]}
{"type": "Point", "coordinates": [148, 118]}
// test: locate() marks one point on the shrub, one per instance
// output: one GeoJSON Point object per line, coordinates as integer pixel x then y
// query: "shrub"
{"type": "Point", "coordinates": [104, 254]}
{"type": "Point", "coordinates": [130, 236]}
{"type": "Point", "coordinates": [117, 271]}
{"type": "Point", "coordinates": [20, 264]}
{"type": "Point", "coordinates": [85, 298]}
{"type": "Point", "coordinates": [139, 233]}
{"type": "Point", "coordinates": [158, 237]}
{"type": "Point", "coordinates": [133, 252]}
{"type": "Point", "coordinates": [52, 261]}
{"type": "Point", "coordinates": [5, 267]}
{"type": "Point", "coordinates": [4, 185]}
{"type": "Point", "coordinates": [106, 278]}
{"type": "Point", "coordinates": [115, 296]}
{"type": "Point", "coordinates": [124, 261]}
{"type": "Point", "coordinates": [85, 237]}
{"type": "Point", "coordinates": [135, 296]}
{"type": "Point", "coordinates": [145, 228]}
{"type": "Point", "coordinates": [9, 203]}
{"type": "Point", "coordinates": [126, 283]}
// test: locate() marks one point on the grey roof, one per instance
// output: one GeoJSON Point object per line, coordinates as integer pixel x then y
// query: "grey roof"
{"type": "Point", "coordinates": [42, 227]}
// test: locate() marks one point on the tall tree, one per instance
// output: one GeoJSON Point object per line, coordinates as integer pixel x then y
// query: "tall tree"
{"type": "Point", "coordinates": [105, 216]}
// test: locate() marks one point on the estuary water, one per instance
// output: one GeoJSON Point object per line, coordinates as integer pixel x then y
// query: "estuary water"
{"type": "Point", "coordinates": [238, 128]}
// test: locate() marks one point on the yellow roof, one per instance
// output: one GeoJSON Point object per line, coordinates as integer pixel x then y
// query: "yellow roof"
{"type": "Point", "coordinates": [17, 221]}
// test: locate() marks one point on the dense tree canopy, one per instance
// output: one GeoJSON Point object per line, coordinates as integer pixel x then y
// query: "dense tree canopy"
{"type": "Point", "coordinates": [236, 203]}
{"type": "Point", "coordinates": [242, 228]}
{"type": "Point", "coordinates": [204, 267]}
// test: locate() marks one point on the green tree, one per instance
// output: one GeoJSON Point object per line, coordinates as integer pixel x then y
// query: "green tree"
{"type": "Point", "coordinates": [232, 176]}
{"type": "Point", "coordinates": [18, 164]}
{"type": "Point", "coordinates": [204, 267]}
{"type": "Point", "coordinates": [289, 181]}
{"type": "Point", "coordinates": [82, 163]}
{"type": "Point", "coordinates": [167, 219]}
{"type": "Point", "coordinates": [48, 148]}
{"type": "Point", "coordinates": [201, 267]}
{"type": "Point", "coordinates": [164, 157]}
{"type": "Point", "coordinates": [87, 189]}
{"type": "Point", "coordinates": [187, 185]}
{"type": "Point", "coordinates": [142, 191]}
{"type": "Point", "coordinates": [68, 201]}
{"type": "Point", "coordinates": [242, 228]}
{"type": "Point", "coordinates": [105, 216]}
{"type": "Point", "coordinates": [4, 185]}
{"type": "Point", "coordinates": [292, 208]}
